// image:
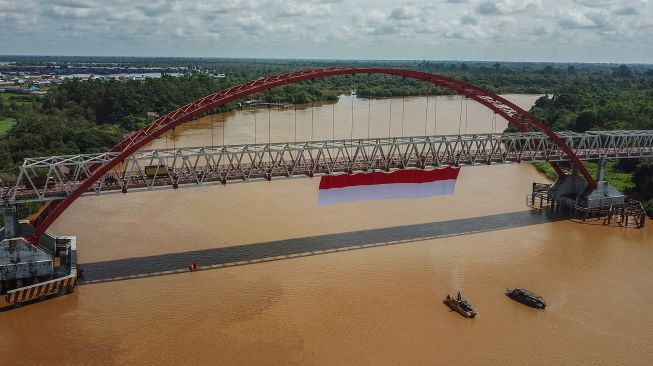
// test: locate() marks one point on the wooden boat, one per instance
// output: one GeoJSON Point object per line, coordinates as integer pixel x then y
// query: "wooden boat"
{"type": "Point", "coordinates": [460, 305]}
{"type": "Point", "coordinates": [526, 297]}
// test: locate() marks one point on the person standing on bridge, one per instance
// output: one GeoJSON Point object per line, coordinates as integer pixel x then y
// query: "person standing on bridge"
{"type": "Point", "coordinates": [193, 266]}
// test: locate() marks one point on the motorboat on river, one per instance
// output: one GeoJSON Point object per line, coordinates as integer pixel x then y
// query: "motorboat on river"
{"type": "Point", "coordinates": [526, 297]}
{"type": "Point", "coordinates": [460, 305]}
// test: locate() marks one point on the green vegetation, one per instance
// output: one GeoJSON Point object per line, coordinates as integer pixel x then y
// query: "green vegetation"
{"type": "Point", "coordinates": [620, 180]}
{"type": "Point", "coordinates": [6, 124]}
{"type": "Point", "coordinates": [16, 99]}
{"type": "Point", "coordinates": [596, 109]}
{"type": "Point", "coordinates": [547, 170]}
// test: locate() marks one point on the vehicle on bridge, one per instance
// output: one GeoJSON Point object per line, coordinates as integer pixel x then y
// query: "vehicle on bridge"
{"type": "Point", "coordinates": [156, 170]}
{"type": "Point", "coordinates": [39, 181]}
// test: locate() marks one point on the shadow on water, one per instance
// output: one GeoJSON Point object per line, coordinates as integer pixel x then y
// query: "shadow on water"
{"type": "Point", "coordinates": [167, 264]}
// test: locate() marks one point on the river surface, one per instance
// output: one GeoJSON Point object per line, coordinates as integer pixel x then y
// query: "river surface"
{"type": "Point", "coordinates": [287, 283]}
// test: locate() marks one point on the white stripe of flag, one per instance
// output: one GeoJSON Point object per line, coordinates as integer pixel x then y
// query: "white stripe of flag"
{"type": "Point", "coordinates": [401, 184]}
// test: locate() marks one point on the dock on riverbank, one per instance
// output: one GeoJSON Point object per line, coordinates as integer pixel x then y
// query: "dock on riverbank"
{"type": "Point", "coordinates": [629, 213]}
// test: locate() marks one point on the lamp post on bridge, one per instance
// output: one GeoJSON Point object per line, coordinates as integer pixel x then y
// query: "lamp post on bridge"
{"type": "Point", "coordinates": [10, 218]}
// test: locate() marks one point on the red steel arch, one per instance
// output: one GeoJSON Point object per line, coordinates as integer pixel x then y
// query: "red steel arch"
{"type": "Point", "coordinates": [515, 115]}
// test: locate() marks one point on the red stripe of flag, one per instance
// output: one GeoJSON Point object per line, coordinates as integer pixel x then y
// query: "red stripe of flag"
{"type": "Point", "coordinates": [399, 176]}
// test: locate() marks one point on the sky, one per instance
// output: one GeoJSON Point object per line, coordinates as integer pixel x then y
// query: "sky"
{"type": "Point", "coordinates": [501, 30]}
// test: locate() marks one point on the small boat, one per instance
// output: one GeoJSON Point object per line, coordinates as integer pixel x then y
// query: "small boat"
{"type": "Point", "coordinates": [526, 297]}
{"type": "Point", "coordinates": [460, 305]}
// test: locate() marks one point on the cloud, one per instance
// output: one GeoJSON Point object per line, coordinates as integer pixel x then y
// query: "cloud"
{"type": "Point", "coordinates": [626, 10]}
{"type": "Point", "coordinates": [589, 19]}
{"type": "Point", "coordinates": [154, 9]}
{"type": "Point", "coordinates": [70, 3]}
{"type": "Point", "coordinates": [405, 13]}
{"type": "Point", "coordinates": [500, 7]}
{"type": "Point", "coordinates": [451, 29]}
{"type": "Point", "coordinates": [488, 9]}
{"type": "Point", "coordinates": [595, 3]}
{"type": "Point", "coordinates": [468, 20]}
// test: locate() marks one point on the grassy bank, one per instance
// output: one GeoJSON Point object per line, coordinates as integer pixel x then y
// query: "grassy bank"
{"type": "Point", "coordinates": [5, 125]}
{"type": "Point", "coordinates": [621, 181]}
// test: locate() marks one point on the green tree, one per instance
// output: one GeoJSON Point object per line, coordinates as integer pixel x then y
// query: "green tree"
{"type": "Point", "coordinates": [623, 71]}
{"type": "Point", "coordinates": [585, 121]}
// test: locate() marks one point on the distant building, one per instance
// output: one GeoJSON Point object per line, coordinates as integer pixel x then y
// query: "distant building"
{"type": "Point", "coordinates": [152, 115]}
{"type": "Point", "coordinates": [14, 89]}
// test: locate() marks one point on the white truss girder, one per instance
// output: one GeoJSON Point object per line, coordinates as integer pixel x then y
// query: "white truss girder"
{"type": "Point", "coordinates": [54, 177]}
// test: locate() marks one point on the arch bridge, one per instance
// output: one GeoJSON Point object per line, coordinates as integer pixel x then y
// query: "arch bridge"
{"type": "Point", "coordinates": [125, 167]}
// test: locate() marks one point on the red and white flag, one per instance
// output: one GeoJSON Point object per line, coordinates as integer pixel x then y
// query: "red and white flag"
{"type": "Point", "coordinates": [410, 183]}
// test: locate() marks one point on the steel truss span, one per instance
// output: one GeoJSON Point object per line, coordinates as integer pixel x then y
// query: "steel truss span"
{"type": "Point", "coordinates": [516, 116]}
{"type": "Point", "coordinates": [172, 168]}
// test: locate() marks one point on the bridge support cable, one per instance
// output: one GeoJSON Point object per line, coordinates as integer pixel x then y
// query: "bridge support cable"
{"type": "Point", "coordinates": [460, 117]}
{"type": "Point", "coordinates": [312, 119]}
{"type": "Point", "coordinates": [212, 142]}
{"type": "Point", "coordinates": [390, 122]}
{"type": "Point", "coordinates": [255, 125]}
{"type": "Point", "coordinates": [403, 113]}
{"type": "Point", "coordinates": [369, 116]}
{"type": "Point", "coordinates": [435, 116]}
{"type": "Point", "coordinates": [466, 119]}
{"type": "Point", "coordinates": [333, 121]}
{"type": "Point", "coordinates": [351, 129]}
{"type": "Point", "coordinates": [426, 117]}
{"type": "Point", "coordinates": [516, 116]}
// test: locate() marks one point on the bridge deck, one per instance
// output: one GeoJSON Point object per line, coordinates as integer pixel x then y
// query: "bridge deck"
{"type": "Point", "coordinates": [54, 177]}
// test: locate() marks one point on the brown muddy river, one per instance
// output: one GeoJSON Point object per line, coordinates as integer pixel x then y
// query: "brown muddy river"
{"type": "Point", "coordinates": [288, 283]}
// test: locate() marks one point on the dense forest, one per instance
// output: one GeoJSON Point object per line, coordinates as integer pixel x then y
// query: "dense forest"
{"type": "Point", "coordinates": [91, 116]}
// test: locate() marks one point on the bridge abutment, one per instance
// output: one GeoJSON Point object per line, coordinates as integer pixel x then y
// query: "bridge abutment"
{"type": "Point", "coordinates": [30, 272]}
{"type": "Point", "coordinates": [573, 190]}
{"type": "Point", "coordinates": [575, 194]}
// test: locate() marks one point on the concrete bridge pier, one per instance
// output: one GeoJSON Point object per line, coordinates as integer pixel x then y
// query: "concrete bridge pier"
{"type": "Point", "coordinates": [574, 191]}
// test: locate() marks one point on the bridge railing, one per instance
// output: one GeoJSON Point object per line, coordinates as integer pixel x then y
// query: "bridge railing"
{"type": "Point", "coordinates": [54, 177]}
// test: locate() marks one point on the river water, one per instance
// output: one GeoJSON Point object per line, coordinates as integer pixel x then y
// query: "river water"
{"type": "Point", "coordinates": [360, 283]}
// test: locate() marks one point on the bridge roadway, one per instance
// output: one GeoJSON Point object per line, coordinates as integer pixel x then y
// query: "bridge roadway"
{"type": "Point", "coordinates": [55, 177]}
